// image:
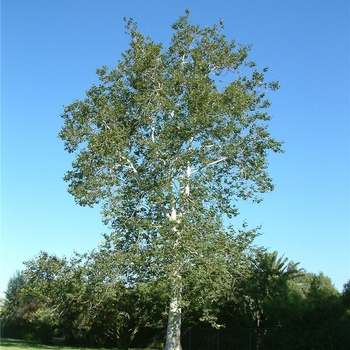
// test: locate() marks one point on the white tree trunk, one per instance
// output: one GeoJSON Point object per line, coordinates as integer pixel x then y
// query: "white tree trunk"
{"type": "Point", "coordinates": [173, 333]}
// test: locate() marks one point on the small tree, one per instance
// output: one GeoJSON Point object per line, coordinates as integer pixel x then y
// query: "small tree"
{"type": "Point", "coordinates": [165, 142]}
{"type": "Point", "coordinates": [25, 316]}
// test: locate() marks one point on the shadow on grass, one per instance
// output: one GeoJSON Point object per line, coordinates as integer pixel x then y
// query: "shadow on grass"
{"type": "Point", "coordinates": [16, 344]}
{"type": "Point", "coordinates": [24, 344]}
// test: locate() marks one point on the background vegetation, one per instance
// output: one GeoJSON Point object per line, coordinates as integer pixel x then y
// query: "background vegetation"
{"type": "Point", "coordinates": [274, 305]}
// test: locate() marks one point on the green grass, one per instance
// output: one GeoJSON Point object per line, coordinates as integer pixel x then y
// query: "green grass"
{"type": "Point", "coordinates": [15, 344]}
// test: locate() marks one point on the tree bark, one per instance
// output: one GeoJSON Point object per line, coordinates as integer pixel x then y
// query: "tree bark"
{"type": "Point", "coordinates": [173, 334]}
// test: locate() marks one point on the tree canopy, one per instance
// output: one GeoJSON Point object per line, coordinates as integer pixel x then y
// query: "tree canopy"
{"type": "Point", "coordinates": [165, 143]}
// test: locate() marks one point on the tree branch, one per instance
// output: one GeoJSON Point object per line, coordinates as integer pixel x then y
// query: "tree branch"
{"type": "Point", "coordinates": [209, 164]}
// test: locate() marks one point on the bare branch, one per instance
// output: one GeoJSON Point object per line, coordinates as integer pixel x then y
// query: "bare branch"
{"type": "Point", "coordinates": [208, 165]}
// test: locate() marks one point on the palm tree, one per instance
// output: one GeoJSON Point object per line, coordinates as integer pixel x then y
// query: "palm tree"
{"type": "Point", "coordinates": [276, 271]}
{"type": "Point", "coordinates": [269, 280]}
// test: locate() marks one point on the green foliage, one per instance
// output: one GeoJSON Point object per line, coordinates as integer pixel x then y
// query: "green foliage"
{"type": "Point", "coordinates": [287, 308]}
{"type": "Point", "coordinates": [268, 280]}
{"type": "Point", "coordinates": [81, 299]}
{"type": "Point", "coordinates": [346, 294]}
{"type": "Point", "coordinates": [166, 142]}
{"type": "Point", "coordinates": [22, 312]}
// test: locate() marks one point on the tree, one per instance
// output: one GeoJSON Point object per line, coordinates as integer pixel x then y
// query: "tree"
{"type": "Point", "coordinates": [165, 143]}
{"type": "Point", "coordinates": [324, 311]}
{"type": "Point", "coordinates": [270, 282]}
{"type": "Point", "coordinates": [12, 306]}
{"type": "Point", "coordinates": [113, 314]}
{"type": "Point", "coordinates": [346, 294]}
{"type": "Point", "coordinates": [55, 284]}
{"type": "Point", "coordinates": [24, 315]}
{"type": "Point", "coordinates": [257, 296]}
{"type": "Point", "coordinates": [13, 290]}
{"type": "Point", "coordinates": [78, 299]}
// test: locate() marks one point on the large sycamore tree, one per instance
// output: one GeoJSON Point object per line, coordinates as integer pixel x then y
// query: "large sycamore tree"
{"type": "Point", "coordinates": [165, 143]}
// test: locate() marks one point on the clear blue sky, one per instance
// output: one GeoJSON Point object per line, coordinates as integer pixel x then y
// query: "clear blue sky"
{"type": "Point", "coordinates": [50, 50]}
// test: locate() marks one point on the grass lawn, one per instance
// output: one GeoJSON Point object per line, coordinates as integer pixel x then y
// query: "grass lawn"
{"type": "Point", "coordinates": [15, 344]}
